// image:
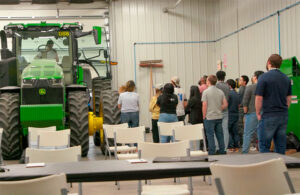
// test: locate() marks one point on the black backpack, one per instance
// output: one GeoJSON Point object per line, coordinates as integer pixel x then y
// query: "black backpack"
{"type": "Point", "coordinates": [292, 141]}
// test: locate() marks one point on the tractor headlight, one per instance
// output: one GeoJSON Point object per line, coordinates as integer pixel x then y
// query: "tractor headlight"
{"type": "Point", "coordinates": [28, 82]}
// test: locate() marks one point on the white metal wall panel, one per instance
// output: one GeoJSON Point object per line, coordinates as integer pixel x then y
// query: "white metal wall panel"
{"type": "Point", "coordinates": [249, 49]}
{"type": "Point", "coordinates": [229, 46]}
{"type": "Point", "coordinates": [144, 21]}
{"type": "Point", "coordinates": [290, 32]}
{"type": "Point", "coordinates": [212, 32]}
{"type": "Point", "coordinates": [194, 20]}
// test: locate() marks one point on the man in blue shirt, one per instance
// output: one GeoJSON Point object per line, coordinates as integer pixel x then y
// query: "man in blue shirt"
{"type": "Point", "coordinates": [273, 97]}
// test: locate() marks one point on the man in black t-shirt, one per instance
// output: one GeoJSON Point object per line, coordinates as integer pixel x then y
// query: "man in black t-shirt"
{"type": "Point", "coordinates": [273, 97]}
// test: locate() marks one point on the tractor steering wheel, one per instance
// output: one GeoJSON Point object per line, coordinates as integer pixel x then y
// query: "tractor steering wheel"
{"type": "Point", "coordinates": [40, 49]}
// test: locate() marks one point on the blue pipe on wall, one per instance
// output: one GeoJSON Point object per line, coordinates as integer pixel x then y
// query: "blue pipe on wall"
{"type": "Point", "coordinates": [279, 38]}
{"type": "Point", "coordinates": [219, 39]}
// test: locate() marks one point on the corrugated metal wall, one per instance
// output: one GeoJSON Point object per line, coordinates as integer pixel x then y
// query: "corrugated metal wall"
{"type": "Point", "coordinates": [194, 20]}
{"type": "Point", "coordinates": [249, 49]}
{"type": "Point", "coordinates": [144, 21]}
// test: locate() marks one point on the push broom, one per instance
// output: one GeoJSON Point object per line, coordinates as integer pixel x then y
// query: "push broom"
{"type": "Point", "coordinates": [151, 64]}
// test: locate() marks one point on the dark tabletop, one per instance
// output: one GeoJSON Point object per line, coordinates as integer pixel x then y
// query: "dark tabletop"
{"type": "Point", "coordinates": [111, 170]}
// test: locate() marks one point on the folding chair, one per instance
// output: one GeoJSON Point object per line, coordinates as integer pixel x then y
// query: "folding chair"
{"type": "Point", "coordinates": [269, 177]}
{"type": "Point", "coordinates": [175, 149]}
{"type": "Point", "coordinates": [191, 133]}
{"type": "Point", "coordinates": [128, 136]}
{"type": "Point", "coordinates": [166, 129]}
{"type": "Point", "coordinates": [49, 185]}
{"type": "Point", "coordinates": [109, 134]}
{"type": "Point", "coordinates": [72, 154]}
{"type": "Point", "coordinates": [53, 139]}
{"type": "Point", "coordinates": [32, 134]}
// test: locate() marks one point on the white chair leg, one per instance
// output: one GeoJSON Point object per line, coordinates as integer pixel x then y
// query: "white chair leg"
{"type": "Point", "coordinates": [118, 185]}
{"type": "Point", "coordinates": [109, 153]}
{"type": "Point", "coordinates": [177, 180]}
{"type": "Point", "coordinates": [209, 180]}
{"type": "Point", "coordinates": [80, 188]}
{"type": "Point", "coordinates": [191, 185]}
{"type": "Point", "coordinates": [139, 187]}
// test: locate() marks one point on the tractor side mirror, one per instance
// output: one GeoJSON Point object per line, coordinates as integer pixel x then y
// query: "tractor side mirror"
{"type": "Point", "coordinates": [97, 32]}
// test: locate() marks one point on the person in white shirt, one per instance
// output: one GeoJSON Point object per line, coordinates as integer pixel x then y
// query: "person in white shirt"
{"type": "Point", "coordinates": [48, 53]}
{"type": "Point", "coordinates": [182, 100]}
{"type": "Point", "coordinates": [129, 104]}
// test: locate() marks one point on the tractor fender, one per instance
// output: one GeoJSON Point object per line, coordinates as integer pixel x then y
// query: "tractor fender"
{"type": "Point", "coordinates": [75, 88]}
{"type": "Point", "coordinates": [14, 89]}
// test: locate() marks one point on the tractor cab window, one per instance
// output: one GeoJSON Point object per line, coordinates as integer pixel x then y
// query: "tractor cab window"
{"type": "Point", "coordinates": [42, 45]}
{"type": "Point", "coordinates": [95, 55]}
{"type": "Point", "coordinates": [48, 45]}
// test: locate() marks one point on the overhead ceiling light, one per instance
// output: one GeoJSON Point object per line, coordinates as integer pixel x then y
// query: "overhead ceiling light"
{"type": "Point", "coordinates": [81, 1]}
{"type": "Point", "coordinates": [7, 2]}
{"type": "Point", "coordinates": [44, 1]}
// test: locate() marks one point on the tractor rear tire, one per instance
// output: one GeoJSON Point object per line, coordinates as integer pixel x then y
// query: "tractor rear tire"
{"type": "Point", "coordinates": [78, 113]}
{"type": "Point", "coordinates": [10, 122]}
{"type": "Point", "coordinates": [111, 112]}
{"type": "Point", "coordinates": [99, 85]}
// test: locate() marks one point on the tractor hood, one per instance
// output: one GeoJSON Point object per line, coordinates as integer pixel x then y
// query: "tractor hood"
{"type": "Point", "coordinates": [43, 69]}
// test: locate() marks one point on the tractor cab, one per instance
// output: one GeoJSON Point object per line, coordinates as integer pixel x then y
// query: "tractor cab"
{"type": "Point", "coordinates": [65, 44]}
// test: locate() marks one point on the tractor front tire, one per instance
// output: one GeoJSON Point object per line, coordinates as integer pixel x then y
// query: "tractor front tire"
{"type": "Point", "coordinates": [10, 122]}
{"type": "Point", "coordinates": [78, 113]}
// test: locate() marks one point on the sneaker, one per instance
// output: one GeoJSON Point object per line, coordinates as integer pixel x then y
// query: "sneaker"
{"type": "Point", "coordinates": [236, 149]}
{"type": "Point", "coordinates": [230, 150]}
{"type": "Point", "coordinates": [252, 148]}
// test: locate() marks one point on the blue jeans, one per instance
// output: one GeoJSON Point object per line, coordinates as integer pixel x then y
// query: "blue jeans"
{"type": "Point", "coordinates": [214, 127]}
{"type": "Point", "coordinates": [233, 131]}
{"type": "Point", "coordinates": [225, 128]}
{"type": "Point", "coordinates": [272, 128]}
{"type": "Point", "coordinates": [132, 118]}
{"type": "Point", "coordinates": [251, 124]}
{"type": "Point", "coordinates": [167, 118]}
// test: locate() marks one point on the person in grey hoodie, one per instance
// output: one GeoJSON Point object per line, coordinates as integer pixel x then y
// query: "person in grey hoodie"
{"type": "Point", "coordinates": [248, 103]}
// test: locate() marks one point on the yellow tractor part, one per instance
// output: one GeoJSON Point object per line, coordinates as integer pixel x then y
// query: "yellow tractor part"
{"type": "Point", "coordinates": [95, 124]}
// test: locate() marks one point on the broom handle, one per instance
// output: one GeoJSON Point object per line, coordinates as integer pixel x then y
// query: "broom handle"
{"type": "Point", "coordinates": [151, 83]}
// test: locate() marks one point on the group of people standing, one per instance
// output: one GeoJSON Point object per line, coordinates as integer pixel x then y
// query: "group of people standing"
{"type": "Point", "coordinates": [230, 118]}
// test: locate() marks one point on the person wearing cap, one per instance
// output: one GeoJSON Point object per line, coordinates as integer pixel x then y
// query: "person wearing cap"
{"type": "Point", "coordinates": [155, 110]}
{"type": "Point", "coordinates": [182, 100]}
{"type": "Point", "coordinates": [48, 53]}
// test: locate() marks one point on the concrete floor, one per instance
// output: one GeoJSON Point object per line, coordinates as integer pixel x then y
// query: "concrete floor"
{"type": "Point", "coordinates": [130, 187]}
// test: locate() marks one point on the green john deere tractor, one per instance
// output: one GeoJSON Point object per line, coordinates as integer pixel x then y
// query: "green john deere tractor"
{"type": "Point", "coordinates": [67, 86]}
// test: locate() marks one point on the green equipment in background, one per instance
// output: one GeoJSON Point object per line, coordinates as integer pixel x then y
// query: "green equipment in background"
{"type": "Point", "coordinates": [291, 68]}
